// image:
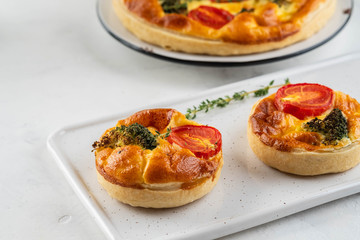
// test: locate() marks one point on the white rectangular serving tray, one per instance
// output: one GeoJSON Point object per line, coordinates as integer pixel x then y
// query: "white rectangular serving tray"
{"type": "Point", "coordinates": [248, 193]}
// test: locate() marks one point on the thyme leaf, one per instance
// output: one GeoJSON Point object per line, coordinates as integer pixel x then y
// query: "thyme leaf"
{"type": "Point", "coordinates": [222, 102]}
{"type": "Point", "coordinates": [224, 1]}
{"type": "Point", "coordinates": [174, 6]}
{"type": "Point", "coordinates": [281, 2]}
{"type": "Point", "coordinates": [250, 10]}
{"type": "Point", "coordinates": [163, 135]}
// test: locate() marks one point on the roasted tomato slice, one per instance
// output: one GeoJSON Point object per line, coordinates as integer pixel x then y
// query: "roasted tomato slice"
{"type": "Point", "coordinates": [304, 99]}
{"type": "Point", "coordinates": [211, 16]}
{"type": "Point", "coordinates": [203, 141]}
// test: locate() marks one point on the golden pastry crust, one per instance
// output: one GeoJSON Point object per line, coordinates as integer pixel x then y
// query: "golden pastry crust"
{"type": "Point", "coordinates": [150, 198]}
{"type": "Point", "coordinates": [167, 176]}
{"type": "Point", "coordinates": [277, 139]}
{"type": "Point", "coordinates": [268, 27]}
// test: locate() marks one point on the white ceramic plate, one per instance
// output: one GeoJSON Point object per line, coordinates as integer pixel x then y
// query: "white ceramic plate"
{"type": "Point", "coordinates": [115, 28]}
{"type": "Point", "coordinates": [248, 193]}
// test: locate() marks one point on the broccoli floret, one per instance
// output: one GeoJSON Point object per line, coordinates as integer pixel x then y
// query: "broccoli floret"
{"type": "Point", "coordinates": [333, 127]}
{"type": "Point", "coordinates": [134, 134]}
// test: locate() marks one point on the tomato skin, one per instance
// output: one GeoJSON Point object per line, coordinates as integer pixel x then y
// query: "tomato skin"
{"type": "Point", "coordinates": [211, 16]}
{"type": "Point", "coordinates": [203, 141]}
{"type": "Point", "coordinates": [304, 100]}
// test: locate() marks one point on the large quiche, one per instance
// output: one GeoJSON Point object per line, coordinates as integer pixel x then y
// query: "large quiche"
{"type": "Point", "coordinates": [223, 27]}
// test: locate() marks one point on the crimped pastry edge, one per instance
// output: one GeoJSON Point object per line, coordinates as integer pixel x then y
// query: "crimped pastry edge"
{"type": "Point", "coordinates": [304, 162]}
{"type": "Point", "coordinates": [174, 41]}
{"type": "Point", "coordinates": [148, 198]}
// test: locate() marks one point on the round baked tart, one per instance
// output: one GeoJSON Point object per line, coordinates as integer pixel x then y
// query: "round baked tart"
{"type": "Point", "coordinates": [306, 129]}
{"type": "Point", "coordinates": [157, 158]}
{"type": "Point", "coordinates": [223, 27]}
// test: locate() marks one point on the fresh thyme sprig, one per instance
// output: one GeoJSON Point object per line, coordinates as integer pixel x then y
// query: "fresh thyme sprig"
{"type": "Point", "coordinates": [163, 135]}
{"type": "Point", "coordinates": [174, 6]}
{"type": "Point", "coordinates": [224, 1]}
{"type": "Point", "coordinates": [249, 10]}
{"type": "Point", "coordinates": [224, 101]}
{"type": "Point", "coordinates": [281, 2]}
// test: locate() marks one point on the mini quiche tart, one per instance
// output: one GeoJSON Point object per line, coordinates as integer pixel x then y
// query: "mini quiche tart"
{"type": "Point", "coordinates": [157, 158]}
{"type": "Point", "coordinates": [306, 129]}
{"type": "Point", "coordinates": [223, 27]}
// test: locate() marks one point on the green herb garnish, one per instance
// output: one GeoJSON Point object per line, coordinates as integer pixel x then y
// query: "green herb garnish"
{"type": "Point", "coordinates": [163, 135]}
{"type": "Point", "coordinates": [333, 127]}
{"type": "Point", "coordinates": [223, 1]}
{"type": "Point", "coordinates": [174, 6]}
{"type": "Point", "coordinates": [134, 134]}
{"type": "Point", "coordinates": [246, 10]}
{"type": "Point", "coordinates": [224, 101]}
{"type": "Point", "coordinates": [281, 2]}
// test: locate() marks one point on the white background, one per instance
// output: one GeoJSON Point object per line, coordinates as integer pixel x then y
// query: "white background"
{"type": "Point", "coordinates": [58, 66]}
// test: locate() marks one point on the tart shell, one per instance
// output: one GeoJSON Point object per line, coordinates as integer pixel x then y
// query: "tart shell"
{"type": "Point", "coordinates": [149, 198]}
{"type": "Point", "coordinates": [166, 176]}
{"type": "Point", "coordinates": [307, 163]}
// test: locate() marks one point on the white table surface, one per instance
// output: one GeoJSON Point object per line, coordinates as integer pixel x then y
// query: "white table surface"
{"type": "Point", "coordinates": [58, 66]}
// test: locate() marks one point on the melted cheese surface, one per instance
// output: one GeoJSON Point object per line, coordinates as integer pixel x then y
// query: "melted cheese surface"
{"type": "Point", "coordinates": [284, 11]}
